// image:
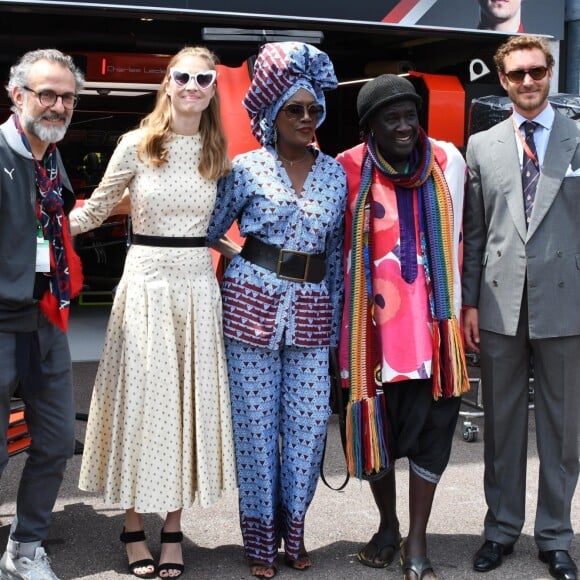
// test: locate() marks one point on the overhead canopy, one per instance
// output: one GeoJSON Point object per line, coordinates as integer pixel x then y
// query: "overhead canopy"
{"type": "Point", "coordinates": [537, 16]}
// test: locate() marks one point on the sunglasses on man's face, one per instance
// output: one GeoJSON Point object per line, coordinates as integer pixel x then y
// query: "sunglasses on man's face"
{"type": "Point", "coordinates": [517, 76]}
{"type": "Point", "coordinates": [295, 112]}
{"type": "Point", "coordinates": [203, 80]}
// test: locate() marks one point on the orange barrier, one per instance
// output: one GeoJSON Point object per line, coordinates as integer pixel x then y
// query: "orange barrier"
{"type": "Point", "coordinates": [446, 107]}
{"type": "Point", "coordinates": [18, 438]}
{"type": "Point", "coordinates": [232, 85]}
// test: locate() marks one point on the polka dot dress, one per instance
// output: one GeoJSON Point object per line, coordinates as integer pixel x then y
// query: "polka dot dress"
{"type": "Point", "coordinates": [159, 434]}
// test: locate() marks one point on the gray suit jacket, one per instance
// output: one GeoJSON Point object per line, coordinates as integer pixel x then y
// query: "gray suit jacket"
{"type": "Point", "coordinates": [501, 255]}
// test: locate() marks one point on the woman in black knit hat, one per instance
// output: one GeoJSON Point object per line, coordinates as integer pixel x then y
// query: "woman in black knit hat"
{"type": "Point", "coordinates": [401, 353]}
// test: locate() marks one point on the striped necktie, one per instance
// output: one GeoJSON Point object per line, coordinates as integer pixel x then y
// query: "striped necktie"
{"type": "Point", "coordinates": [530, 169]}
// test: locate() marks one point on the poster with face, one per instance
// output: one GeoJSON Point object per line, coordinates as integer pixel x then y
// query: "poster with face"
{"type": "Point", "coordinates": [506, 16]}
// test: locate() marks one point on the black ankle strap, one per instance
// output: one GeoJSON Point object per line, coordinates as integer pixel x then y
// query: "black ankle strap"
{"type": "Point", "coordinates": [171, 537]}
{"type": "Point", "coordinates": [131, 537]}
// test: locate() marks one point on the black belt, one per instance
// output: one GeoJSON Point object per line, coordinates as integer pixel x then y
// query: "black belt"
{"type": "Point", "coordinates": [287, 264]}
{"type": "Point", "coordinates": [168, 242]}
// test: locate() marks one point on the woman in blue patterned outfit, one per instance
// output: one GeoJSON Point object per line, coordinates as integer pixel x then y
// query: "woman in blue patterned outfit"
{"type": "Point", "coordinates": [282, 296]}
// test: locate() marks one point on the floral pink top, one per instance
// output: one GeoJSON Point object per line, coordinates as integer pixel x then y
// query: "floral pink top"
{"type": "Point", "coordinates": [400, 310]}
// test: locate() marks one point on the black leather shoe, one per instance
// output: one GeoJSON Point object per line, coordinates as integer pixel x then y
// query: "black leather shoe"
{"type": "Point", "coordinates": [490, 556]}
{"type": "Point", "coordinates": [561, 566]}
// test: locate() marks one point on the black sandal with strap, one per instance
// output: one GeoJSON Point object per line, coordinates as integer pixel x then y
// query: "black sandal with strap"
{"type": "Point", "coordinates": [130, 538]}
{"type": "Point", "coordinates": [383, 542]}
{"type": "Point", "coordinates": [418, 566]}
{"type": "Point", "coordinates": [170, 538]}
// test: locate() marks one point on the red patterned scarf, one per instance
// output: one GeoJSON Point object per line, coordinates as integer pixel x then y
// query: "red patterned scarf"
{"type": "Point", "coordinates": [65, 280]}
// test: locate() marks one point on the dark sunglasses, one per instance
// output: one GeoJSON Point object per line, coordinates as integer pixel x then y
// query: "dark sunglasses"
{"type": "Point", "coordinates": [537, 73]}
{"type": "Point", "coordinates": [203, 80]}
{"type": "Point", "coordinates": [295, 112]}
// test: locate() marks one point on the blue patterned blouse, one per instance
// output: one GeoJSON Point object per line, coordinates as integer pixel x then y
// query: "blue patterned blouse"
{"type": "Point", "coordinates": [260, 308]}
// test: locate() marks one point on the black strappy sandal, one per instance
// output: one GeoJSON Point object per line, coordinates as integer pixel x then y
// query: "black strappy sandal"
{"type": "Point", "coordinates": [418, 565]}
{"type": "Point", "coordinates": [130, 538]}
{"type": "Point", "coordinates": [170, 538]}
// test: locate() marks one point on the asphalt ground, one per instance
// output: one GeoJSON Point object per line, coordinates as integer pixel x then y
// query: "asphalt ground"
{"type": "Point", "coordinates": [84, 538]}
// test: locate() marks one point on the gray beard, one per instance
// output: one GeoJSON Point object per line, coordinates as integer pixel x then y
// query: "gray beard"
{"type": "Point", "coordinates": [46, 134]}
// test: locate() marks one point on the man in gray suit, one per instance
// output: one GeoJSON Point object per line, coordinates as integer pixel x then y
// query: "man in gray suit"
{"type": "Point", "coordinates": [521, 288]}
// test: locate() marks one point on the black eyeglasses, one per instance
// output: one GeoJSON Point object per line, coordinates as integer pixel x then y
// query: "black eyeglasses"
{"type": "Point", "coordinates": [203, 80]}
{"type": "Point", "coordinates": [537, 73]}
{"type": "Point", "coordinates": [295, 112]}
{"type": "Point", "coordinates": [49, 98]}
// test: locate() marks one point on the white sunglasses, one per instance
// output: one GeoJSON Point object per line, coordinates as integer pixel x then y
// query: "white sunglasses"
{"type": "Point", "coordinates": [203, 80]}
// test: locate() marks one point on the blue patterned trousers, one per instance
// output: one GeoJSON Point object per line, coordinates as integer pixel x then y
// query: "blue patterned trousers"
{"type": "Point", "coordinates": [280, 412]}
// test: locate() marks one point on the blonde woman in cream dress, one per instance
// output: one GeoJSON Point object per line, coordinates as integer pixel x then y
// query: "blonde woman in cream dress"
{"type": "Point", "coordinates": [159, 434]}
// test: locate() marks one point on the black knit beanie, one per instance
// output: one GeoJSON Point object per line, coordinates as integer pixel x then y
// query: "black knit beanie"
{"type": "Point", "coordinates": [383, 90]}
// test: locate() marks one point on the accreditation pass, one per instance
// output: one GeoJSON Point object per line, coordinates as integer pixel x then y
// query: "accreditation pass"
{"type": "Point", "coordinates": [42, 251]}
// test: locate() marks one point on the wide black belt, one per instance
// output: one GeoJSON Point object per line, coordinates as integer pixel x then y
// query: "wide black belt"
{"type": "Point", "coordinates": [168, 242]}
{"type": "Point", "coordinates": [287, 264]}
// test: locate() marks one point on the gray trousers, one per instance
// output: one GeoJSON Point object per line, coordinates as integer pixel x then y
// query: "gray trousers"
{"type": "Point", "coordinates": [39, 365]}
{"type": "Point", "coordinates": [505, 380]}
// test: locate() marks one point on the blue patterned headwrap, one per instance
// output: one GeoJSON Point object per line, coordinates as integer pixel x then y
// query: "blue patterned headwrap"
{"type": "Point", "coordinates": [280, 70]}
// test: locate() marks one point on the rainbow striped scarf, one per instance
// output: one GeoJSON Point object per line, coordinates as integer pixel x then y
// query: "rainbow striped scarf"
{"type": "Point", "coordinates": [367, 446]}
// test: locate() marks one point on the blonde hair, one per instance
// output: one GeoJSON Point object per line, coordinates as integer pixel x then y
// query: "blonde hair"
{"type": "Point", "coordinates": [214, 162]}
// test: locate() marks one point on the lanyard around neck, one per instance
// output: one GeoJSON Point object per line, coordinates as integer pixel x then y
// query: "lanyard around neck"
{"type": "Point", "coordinates": [524, 143]}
